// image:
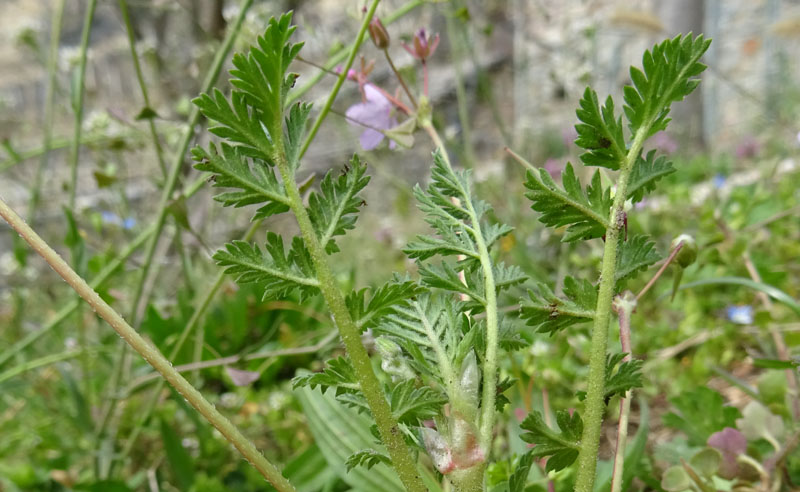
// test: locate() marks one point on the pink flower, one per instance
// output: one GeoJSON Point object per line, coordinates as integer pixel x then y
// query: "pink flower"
{"type": "Point", "coordinates": [424, 47]}
{"type": "Point", "coordinates": [375, 114]}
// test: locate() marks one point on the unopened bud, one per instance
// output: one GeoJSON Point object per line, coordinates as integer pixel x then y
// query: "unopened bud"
{"type": "Point", "coordinates": [393, 360]}
{"type": "Point", "coordinates": [688, 253]}
{"type": "Point", "coordinates": [378, 33]}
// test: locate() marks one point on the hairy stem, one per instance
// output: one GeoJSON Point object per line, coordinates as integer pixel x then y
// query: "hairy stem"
{"type": "Point", "coordinates": [624, 305]}
{"type": "Point", "coordinates": [147, 351]}
{"type": "Point", "coordinates": [402, 461]}
{"type": "Point", "coordinates": [191, 325]}
{"type": "Point", "coordinates": [595, 406]}
{"type": "Point", "coordinates": [489, 391]}
{"type": "Point", "coordinates": [77, 103]}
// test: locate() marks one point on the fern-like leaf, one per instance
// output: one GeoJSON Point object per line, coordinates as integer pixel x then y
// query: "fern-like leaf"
{"type": "Point", "coordinates": [276, 270]}
{"type": "Point", "coordinates": [382, 302]}
{"type": "Point", "coordinates": [333, 210]}
{"type": "Point", "coordinates": [627, 376]}
{"type": "Point", "coordinates": [256, 180]}
{"type": "Point", "coordinates": [635, 255]}
{"type": "Point", "coordinates": [366, 458]}
{"type": "Point", "coordinates": [562, 447]}
{"type": "Point", "coordinates": [586, 215]}
{"type": "Point", "coordinates": [645, 174]}
{"type": "Point", "coordinates": [338, 374]}
{"type": "Point", "coordinates": [550, 313]}
{"type": "Point", "coordinates": [665, 77]}
{"type": "Point", "coordinates": [411, 405]}
{"type": "Point", "coordinates": [600, 132]}
{"type": "Point", "coordinates": [431, 330]}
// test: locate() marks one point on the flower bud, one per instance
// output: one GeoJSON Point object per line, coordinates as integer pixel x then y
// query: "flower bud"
{"type": "Point", "coordinates": [688, 253]}
{"type": "Point", "coordinates": [470, 379]}
{"type": "Point", "coordinates": [423, 45]}
{"type": "Point", "coordinates": [393, 360]}
{"type": "Point", "coordinates": [378, 33]}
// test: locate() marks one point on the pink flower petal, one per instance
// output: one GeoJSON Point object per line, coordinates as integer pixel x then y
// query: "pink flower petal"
{"type": "Point", "coordinates": [242, 378]}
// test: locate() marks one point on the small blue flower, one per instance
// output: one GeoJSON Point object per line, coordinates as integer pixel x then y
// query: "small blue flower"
{"type": "Point", "coordinates": [719, 181]}
{"type": "Point", "coordinates": [129, 223]}
{"type": "Point", "coordinates": [741, 315]}
{"type": "Point", "coordinates": [110, 217]}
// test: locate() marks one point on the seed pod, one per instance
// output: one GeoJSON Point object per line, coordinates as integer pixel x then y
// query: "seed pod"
{"type": "Point", "coordinates": [688, 253]}
{"type": "Point", "coordinates": [378, 33]}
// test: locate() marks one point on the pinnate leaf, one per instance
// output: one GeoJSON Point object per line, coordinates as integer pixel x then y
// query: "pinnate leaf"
{"type": "Point", "coordinates": [276, 270]}
{"type": "Point", "coordinates": [600, 132]}
{"type": "Point", "coordinates": [254, 179]}
{"type": "Point", "coordinates": [645, 174]}
{"type": "Point", "coordinates": [333, 209]}
{"type": "Point", "coordinates": [550, 313]}
{"type": "Point", "coordinates": [584, 214]}
{"type": "Point", "coordinates": [338, 374]}
{"type": "Point", "coordinates": [665, 77]}
{"type": "Point", "coordinates": [561, 448]}
{"type": "Point", "coordinates": [635, 255]}
{"type": "Point", "coordinates": [366, 458]}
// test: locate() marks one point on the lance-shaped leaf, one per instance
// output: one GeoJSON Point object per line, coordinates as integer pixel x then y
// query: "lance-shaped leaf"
{"type": "Point", "coordinates": [445, 277]}
{"type": "Point", "coordinates": [635, 255]}
{"type": "Point", "coordinates": [585, 214]}
{"type": "Point", "coordinates": [665, 77]}
{"type": "Point", "coordinates": [338, 374]}
{"type": "Point", "coordinates": [600, 132]}
{"type": "Point", "coordinates": [276, 270]}
{"type": "Point", "coordinates": [550, 313]}
{"type": "Point", "coordinates": [562, 447]}
{"type": "Point", "coordinates": [254, 180]}
{"type": "Point", "coordinates": [295, 130]}
{"type": "Point", "coordinates": [645, 174]}
{"type": "Point", "coordinates": [333, 210]}
{"type": "Point", "coordinates": [382, 301]}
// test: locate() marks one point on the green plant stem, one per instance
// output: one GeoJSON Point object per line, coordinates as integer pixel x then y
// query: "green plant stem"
{"type": "Point", "coordinates": [342, 76]}
{"type": "Point", "coordinates": [147, 351]}
{"type": "Point", "coordinates": [489, 391]}
{"type": "Point", "coordinates": [166, 196]}
{"type": "Point", "coordinates": [77, 103]}
{"type": "Point", "coordinates": [194, 321]}
{"type": "Point", "coordinates": [342, 53]}
{"type": "Point", "coordinates": [391, 435]}
{"type": "Point", "coordinates": [399, 78]}
{"type": "Point", "coordinates": [461, 92]}
{"type": "Point", "coordinates": [68, 309]}
{"type": "Point", "coordinates": [123, 7]}
{"type": "Point", "coordinates": [49, 101]}
{"type": "Point", "coordinates": [29, 365]}
{"type": "Point", "coordinates": [624, 305]}
{"type": "Point", "coordinates": [595, 405]}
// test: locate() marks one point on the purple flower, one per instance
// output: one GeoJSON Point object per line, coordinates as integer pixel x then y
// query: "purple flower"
{"type": "Point", "coordinates": [730, 443]}
{"type": "Point", "coordinates": [374, 113]}
{"type": "Point", "coordinates": [663, 142]}
{"type": "Point", "coordinates": [242, 378]}
{"type": "Point", "coordinates": [568, 136]}
{"type": "Point", "coordinates": [748, 148]}
{"type": "Point", "coordinates": [554, 167]}
{"type": "Point", "coordinates": [423, 47]}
